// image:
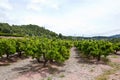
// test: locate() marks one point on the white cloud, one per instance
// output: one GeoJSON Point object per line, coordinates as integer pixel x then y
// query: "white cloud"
{"type": "Point", "coordinates": [5, 7]}
{"type": "Point", "coordinates": [41, 4]}
{"type": "Point", "coordinates": [4, 4]}
{"type": "Point", "coordinates": [81, 20]}
{"type": "Point", "coordinates": [34, 7]}
{"type": "Point", "coordinates": [69, 17]}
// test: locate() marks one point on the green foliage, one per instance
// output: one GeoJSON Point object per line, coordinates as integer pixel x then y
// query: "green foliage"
{"type": "Point", "coordinates": [47, 49]}
{"type": "Point", "coordinates": [95, 48]}
{"type": "Point", "coordinates": [115, 40]}
{"type": "Point", "coordinates": [40, 48]}
{"type": "Point", "coordinates": [116, 47]}
{"type": "Point", "coordinates": [116, 44]}
{"type": "Point", "coordinates": [8, 47]}
{"type": "Point", "coordinates": [20, 45]}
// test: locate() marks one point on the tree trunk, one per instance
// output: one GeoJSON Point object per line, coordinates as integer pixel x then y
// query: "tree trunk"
{"type": "Point", "coordinates": [45, 60]}
{"type": "Point", "coordinates": [1, 56]}
{"type": "Point", "coordinates": [51, 61]}
{"type": "Point", "coordinates": [99, 57]}
{"type": "Point", "coordinates": [20, 54]}
{"type": "Point", "coordinates": [7, 55]}
{"type": "Point", "coordinates": [38, 60]}
{"type": "Point", "coordinates": [115, 52]}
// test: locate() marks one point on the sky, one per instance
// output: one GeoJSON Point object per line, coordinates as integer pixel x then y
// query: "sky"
{"type": "Point", "coordinates": [69, 17]}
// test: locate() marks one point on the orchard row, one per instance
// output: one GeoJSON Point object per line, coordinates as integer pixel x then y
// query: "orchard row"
{"type": "Point", "coordinates": [56, 50]}
{"type": "Point", "coordinates": [97, 48]}
{"type": "Point", "coordinates": [44, 49]}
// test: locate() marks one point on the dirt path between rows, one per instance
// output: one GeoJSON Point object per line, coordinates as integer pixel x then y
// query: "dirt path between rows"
{"type": "Point", "coordinates": [8, 72]}
{"type": "Point", "coordinates": [73, 69]}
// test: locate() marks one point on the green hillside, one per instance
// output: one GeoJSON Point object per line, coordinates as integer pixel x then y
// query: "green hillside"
{"type": "Point", "coordinates": [25, 30]}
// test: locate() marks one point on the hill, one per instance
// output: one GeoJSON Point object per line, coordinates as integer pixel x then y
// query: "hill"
{"type": "Point", "coordinates": [25, 30]}
{"type": "Point", "coordinates": [115, 36]}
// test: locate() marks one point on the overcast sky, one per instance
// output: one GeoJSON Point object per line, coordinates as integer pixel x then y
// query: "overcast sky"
{"type": "Point", "coordinates": [69, 17]}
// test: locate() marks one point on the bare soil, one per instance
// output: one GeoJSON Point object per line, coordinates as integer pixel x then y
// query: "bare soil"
{"type": "Point", "coordinates": [7, 37]}
{"type": "Point", "coordinates": [116, 75]}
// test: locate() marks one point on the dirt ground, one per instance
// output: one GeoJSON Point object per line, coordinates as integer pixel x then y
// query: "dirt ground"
{"type": "Point", "coordinates": [73, 69]}
{"type": "Point", "coordinates": [116, 75]}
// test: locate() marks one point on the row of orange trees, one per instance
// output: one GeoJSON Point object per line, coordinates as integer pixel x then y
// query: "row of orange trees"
{"type": "Point", "coordinates": [97, 48]}
{"type": "Point", "coordinates": [40, 48]}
